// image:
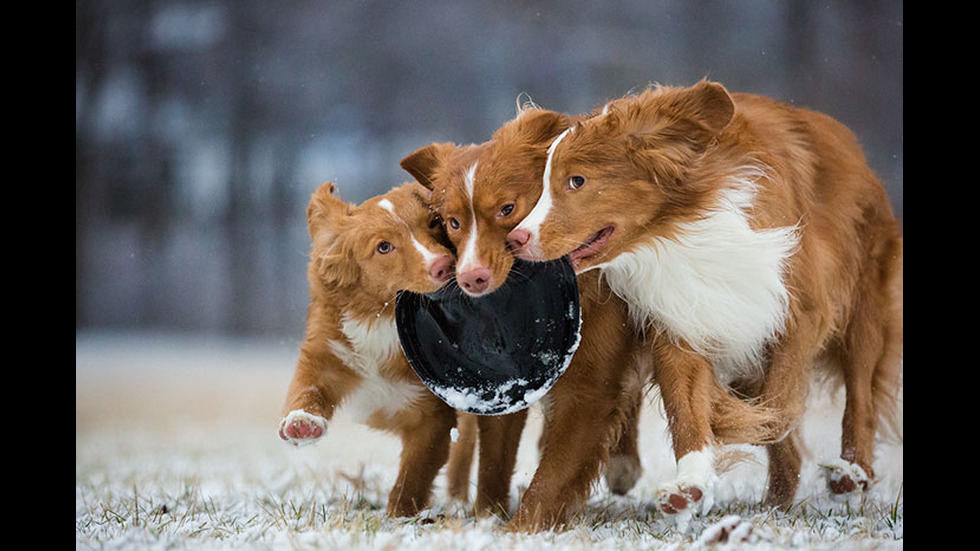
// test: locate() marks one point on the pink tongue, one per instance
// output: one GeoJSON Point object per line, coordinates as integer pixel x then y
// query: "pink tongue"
{"type": "Point", "coordinates": [592, 247]}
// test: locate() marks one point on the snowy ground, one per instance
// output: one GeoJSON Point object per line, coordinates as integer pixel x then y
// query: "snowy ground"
{"type": "Point", "coordinates": [176, 448]}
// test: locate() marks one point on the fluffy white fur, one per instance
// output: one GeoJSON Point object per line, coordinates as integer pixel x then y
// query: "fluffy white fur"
{"type": "Point", "coordinates": [372, 345]}
{"type": "Point", "coordinates": [718, 285]}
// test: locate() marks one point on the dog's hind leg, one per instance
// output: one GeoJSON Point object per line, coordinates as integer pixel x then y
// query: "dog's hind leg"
{"type": "Point", "coordinates": [784, 390]}
{"type": "Point", "coordinates": [860, 354]}
{"type": "Point", "coordinates": [871, 357]}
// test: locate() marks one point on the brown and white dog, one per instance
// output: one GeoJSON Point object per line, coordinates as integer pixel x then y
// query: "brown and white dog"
{"type": "Point", "coordinates": [361, 257]}
{"type": "Point", "coordinates": [751, 242]}
{"type": "Point", "coordinates": [482, 191]}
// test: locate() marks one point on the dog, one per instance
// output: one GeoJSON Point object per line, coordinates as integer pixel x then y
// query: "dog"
{"type": "Point", "coordinates": [482, 191]}
{"type": "Point", "coordinates": [752, 243]}
{"type": "Point", "coordinates": [360, 258]}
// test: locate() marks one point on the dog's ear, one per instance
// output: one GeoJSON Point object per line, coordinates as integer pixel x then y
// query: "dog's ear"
{"type": "Point", "coordinates": [709, 104]}
{"type": "Point", "coordinates": [536, 126]}
{"type": "Point", "coordinates": [325, 214]}
{"type": "Point", "coordinates": [696, 114]}
{"type": "Point", "coordinates": [423, 164]}
{"type": "Point", "coordinates": [666, 128]}
{"type": "Point", "coordinates": [336, 265]}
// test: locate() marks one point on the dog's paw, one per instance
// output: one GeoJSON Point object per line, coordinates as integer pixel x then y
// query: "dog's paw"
{"type": "Point", "coordinates": [729, 530]}
{"type": "Point", "coordinates": [622, 472]}
{"type": "Point", "coordinates": [300, 428]}
{"type": "Point", "coordinates": [681, 502]}
{"type": "Point", "coordinates": [674, 499]}
{"type": "Point", "coordinates": [845, 479]}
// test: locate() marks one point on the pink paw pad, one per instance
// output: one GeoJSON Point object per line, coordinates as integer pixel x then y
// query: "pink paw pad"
{"type": "Point", "coordinates": [680, 499]}
{"type": "Point", "coordinates": [844, 478]}
{"type": "Point", "coordinates": [300, 428]}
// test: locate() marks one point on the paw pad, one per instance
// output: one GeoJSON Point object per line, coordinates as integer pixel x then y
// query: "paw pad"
{"type": "Point", "coordinates": [844, 478]}
{"type": "Point", "coordinates": [679, 499]}
{"type": "Point", "coordinates": [300, 428]}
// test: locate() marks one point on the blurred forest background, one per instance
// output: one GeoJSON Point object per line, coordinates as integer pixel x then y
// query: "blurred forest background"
{"type": "Point", "coordinates": [203, 126]}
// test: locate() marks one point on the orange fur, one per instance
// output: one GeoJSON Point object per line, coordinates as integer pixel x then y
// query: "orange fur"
{"type": "Point", "coordinates": [592, 411]}
{"type": "Point", "coordinates": [657, 164]}
{"type": "Point", "coordinates": [360, 258]}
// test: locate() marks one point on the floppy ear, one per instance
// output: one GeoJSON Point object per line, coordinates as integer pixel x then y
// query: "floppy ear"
{"type": "Point", "coordinates": [696, 114]}
{"type": "Point", "coordinates": [423, 164]}
{"type": "Point", "coordinates": [536, 125]}
{"type": "Point", "coordinates": [667, 128]}
{"type": "Point", "coordinates": [325, 214]}
{"type": "Point", "coordinates": [708, 104]}
{"type": "Point", "coordinates": [337, 265]}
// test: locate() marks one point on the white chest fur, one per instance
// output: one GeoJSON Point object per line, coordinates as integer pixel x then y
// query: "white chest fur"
{"type": "Point", "coordinates": [718, 285]}
{"type": "Point", "coordinates": [372, 345]}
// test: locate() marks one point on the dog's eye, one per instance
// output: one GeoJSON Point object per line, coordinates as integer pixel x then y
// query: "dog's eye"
{"type": "Point", "coordinates": [454, 223]}
{"type": "Point", "coordinates": [385, 247]}
{"type": "Point", "coordinates": [576, 182]}
{"type": "Point", "coordinates": [507, 209]}
{"type": "Point", "coordinates": [434, 222]}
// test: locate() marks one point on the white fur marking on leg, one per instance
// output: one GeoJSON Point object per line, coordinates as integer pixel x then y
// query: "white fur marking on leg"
{"type": "Point", "coordinates": [300, 415]}
{"type": "Point", "coordinates": [694, 470]}
{"type": "Point", "coordinates": [697, 468]}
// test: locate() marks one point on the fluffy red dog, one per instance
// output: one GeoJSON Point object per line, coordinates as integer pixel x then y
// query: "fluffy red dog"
{"type": "Point", "coordinates": [482, 192]}
{"type": "Point", "coordinates": [752, 242]}
{"type": "Point", "coordinates": [360, 258]}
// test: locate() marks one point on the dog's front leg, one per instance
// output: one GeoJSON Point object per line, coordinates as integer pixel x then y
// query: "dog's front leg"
{"type": "Point", "coordinates": [498, 442]}
{"type": "Point", "coordinates": [319, 384]}
{"type": "Point", "coordinates": [582, 420]}
{"type": "Point", "coordinates": [686, 379]}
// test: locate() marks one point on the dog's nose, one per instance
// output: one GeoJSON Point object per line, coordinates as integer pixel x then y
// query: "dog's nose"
{"type": "Point", "coordinates": [517, 238]}
{"type": "Point", "coordinates": [474, 281]}
{"type": "Point", "coordinates": [442, 269]}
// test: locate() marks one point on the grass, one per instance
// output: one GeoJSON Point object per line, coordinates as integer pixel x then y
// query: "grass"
{"type": "Point", "coordinates": [151, 511]}
{"type": "Point", "coordinates": [181, 453]}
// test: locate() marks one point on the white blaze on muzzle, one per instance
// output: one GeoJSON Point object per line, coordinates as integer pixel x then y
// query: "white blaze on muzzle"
{"type": "Point", "coordinates": [469, 257]}
{"type": "Point", "coordinates": [536, 218]}
{"type": "Point", "coordinates": [428, 257]}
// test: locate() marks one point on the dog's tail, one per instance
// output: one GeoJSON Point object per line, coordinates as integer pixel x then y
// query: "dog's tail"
{"type": "Point", "coordinates": [737, 420]}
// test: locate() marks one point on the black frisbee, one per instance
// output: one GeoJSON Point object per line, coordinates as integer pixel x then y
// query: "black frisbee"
{"type": "Point", "coordinates": [498, 353]}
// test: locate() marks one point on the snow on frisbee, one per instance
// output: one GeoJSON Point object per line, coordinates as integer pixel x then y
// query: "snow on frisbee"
{"type": "Point", "coordinates": [498, 353]}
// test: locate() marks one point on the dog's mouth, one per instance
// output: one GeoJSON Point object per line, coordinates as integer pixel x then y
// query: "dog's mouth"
{"type": "Point", "coordinates": [592, 246]}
